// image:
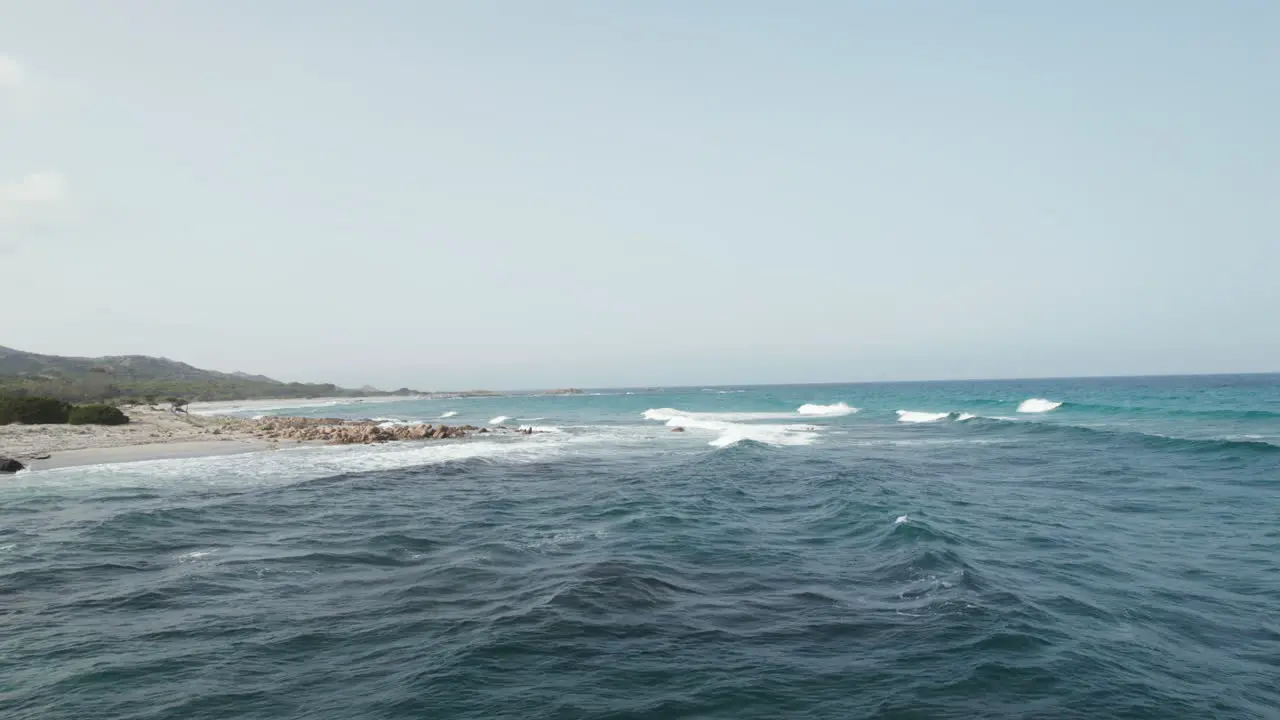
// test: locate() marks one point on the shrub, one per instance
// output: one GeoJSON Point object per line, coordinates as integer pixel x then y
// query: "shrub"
{"type": "Point", "coordinates": [97, 415]}
{"type": "Point", "coordinates": [33, 411]}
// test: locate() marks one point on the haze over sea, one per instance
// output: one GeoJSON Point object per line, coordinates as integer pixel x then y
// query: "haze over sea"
{"type": "Point", "coordinates": [1049, 548]}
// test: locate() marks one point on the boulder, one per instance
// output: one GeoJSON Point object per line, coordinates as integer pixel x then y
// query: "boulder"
{"type": "Point", "coordinates": [677, 429]}
{"type": "Point", "coordinates": [9, 465]}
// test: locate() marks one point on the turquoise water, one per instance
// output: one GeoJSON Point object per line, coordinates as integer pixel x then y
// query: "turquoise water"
{"type": "Point", "coordinates": [1117, 555]}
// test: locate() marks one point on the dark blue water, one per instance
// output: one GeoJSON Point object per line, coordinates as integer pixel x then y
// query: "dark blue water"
{"type": "Point", "coordinates": [1117, 555]}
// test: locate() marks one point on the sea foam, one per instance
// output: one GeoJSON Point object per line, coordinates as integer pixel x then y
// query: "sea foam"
{"type": "Point", "coordinates": [449, 414]}
{"type": "Point", "coordinates": [1038, 405]}
{"type": "Point", "coordinates": [499, 420]}
{"type": "Point", "coordinates": [800, 413]}
{"type": "Point", "coordinates": [912, 416]}
{"type": "Point", "coordinates": [830, 410]}
{"type": "Point", "coordinates": [729, 432]}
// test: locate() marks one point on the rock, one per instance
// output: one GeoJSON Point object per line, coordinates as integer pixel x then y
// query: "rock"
{"type": "Point", "coordinates": [9, 465]}
{"type": "Point", "coordinates": [677, 429]}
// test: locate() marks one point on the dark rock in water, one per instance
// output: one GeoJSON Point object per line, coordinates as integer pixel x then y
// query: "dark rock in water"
{"type": "Point", "coordinates": [677, 429]}
{"type": "Point", "coordinates": [9, 465]}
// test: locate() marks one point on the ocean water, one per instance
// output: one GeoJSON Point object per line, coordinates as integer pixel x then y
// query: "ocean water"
{"type": "Point", "coordinates": [1054, 549]}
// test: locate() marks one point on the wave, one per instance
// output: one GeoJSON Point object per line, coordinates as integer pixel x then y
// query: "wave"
{"type": "Point", "coordinates": [730, 433]}
{"type": "Point", "coordinates": [1244, 443]}
{"type": "Point", "coordinates": [803, 412]}
{"type": "Point", "coordinates": [830, 410]}
{"type": "Point", "coordinates": [913, 416]}
{"type": "Point", "coordinates": [540, 429]}
{"type": "Point", "coordinates": [301, 464]}
{"type": "Point", "coordinates": [449, 414]}
{"type": "Point", "coordinates": [394, 422]}
{"type": "Point", "coordinates": [499, 420]}
{"type": "Point", "coordinates": [1038, 405]}
{"type": "Point", "coordinates": [965, 416]}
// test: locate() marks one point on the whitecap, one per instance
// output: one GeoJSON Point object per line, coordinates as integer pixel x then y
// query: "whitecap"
{"type": "Point", "coordinates": [499, 420]}
{"type": "Point", "coordinates": [285, 466]}
{"type": "Point", "coordinates": [195, 555]}
{"type": "Point", "coordinates": [912, 416]}
{"type": "Point", "coordinates": [830, 410]}
{"type": "Point", "coordinates": [540, 429]}
{"type": "Point", "coordinates": [1038, 405]}
{"type": "Point", "coordinates": [801, 413]}
{"type": "Point", "coordinates": [901, 519]}
{"type": "Point", "coordinates": [730, 433]}
{"type": "Point", "coordinates": [449, 414]}
{"type": "Point", "coordinates": [965, 416]}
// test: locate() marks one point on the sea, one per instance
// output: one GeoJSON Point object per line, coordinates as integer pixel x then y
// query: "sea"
{"type": "Point", "coordinates": [1085, 548]}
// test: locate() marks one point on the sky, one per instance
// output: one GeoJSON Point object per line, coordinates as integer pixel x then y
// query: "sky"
{"type": "Point", "coordinates": [448, 195]}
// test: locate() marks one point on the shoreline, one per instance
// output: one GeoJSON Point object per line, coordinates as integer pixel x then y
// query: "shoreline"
{"type": "Point", "coordinates": [156, 434]}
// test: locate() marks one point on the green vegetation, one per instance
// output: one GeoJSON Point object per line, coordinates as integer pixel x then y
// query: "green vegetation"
{"type": "Point", "coordinates": [33, 411]}
{"type": "Point", "coordinates": [131, 378]}
{"type": "Point", "coordinates": [97, 415]}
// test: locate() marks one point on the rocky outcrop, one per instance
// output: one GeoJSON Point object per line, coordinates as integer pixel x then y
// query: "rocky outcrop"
{"type": "Point", "coordinates": [334, 431]}
{"type": "Point", "coordinates": [9, 465]}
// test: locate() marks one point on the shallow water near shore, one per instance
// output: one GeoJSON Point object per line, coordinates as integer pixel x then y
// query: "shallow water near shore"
{"type": "Point", "coordinates": [1065, 549]}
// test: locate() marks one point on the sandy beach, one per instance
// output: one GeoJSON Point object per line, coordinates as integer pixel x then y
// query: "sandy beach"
{"type": "Point", "coordinates": [151, 433]}
{"type": "Point", "coordinates": [155, 433]}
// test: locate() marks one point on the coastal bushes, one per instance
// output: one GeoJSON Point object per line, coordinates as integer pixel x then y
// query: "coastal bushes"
{"type": "Point", "coordinates": [51, 411]}
{"type": "Point", "coordinates": [34, 411]}
{"type": "Point", "coordinates": [97, 415]}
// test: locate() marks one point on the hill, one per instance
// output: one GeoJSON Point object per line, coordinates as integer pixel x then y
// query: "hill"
{"type": "Point", "coordinates": [123, 377]}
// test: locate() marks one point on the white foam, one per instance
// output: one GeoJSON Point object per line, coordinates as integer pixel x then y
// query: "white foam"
{"type": "Point", "coordinates": [540, 428]}
{"type": "Point", "coordinates": [729, 433]}
{"type": "Point", "coordinates": [901, 519]}
{"type": "Point", "coordinates": [195, 555]}
{"type": "Point", "coordinates": [803, 412]}
{"type": "Point", "coordinates": [501, 419]}
{"type": "Point", "coordinates": [449, 414]}
{"type": "Point", "coordinates": [1037, 405]}
{"type": "Point", "coordinates": [965, 416]}
{"type": "Point", "coordinates": [912, 416]}
{"type": "Point", "coordinates": [294, 464]}
{"type": "Point", "coordinates": [386, 422]}
{"type": "Point", "coordinates": [829, 410]}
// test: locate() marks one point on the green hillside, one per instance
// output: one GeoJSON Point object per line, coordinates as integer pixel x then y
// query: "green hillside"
{"type": "Point", "coordinates": [128, 377]}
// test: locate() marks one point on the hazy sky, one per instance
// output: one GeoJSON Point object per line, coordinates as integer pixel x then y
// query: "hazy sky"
{"type": "Point", "coordinates": [531, 194]}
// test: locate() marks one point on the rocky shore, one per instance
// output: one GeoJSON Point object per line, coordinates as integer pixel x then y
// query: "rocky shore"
{"type": "Point", "coordinates": [162, 431]}
{"type": "Point", "coordinates": [335, 431]}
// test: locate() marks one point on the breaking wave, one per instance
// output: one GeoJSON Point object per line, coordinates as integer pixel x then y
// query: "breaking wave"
{"type": "Point", "coordinates": [499, 420]}
{"type": "Point", "coordinates": [913, 416]}
{"type": "Point", "coordinates": [1038, 405]}
{"type": "Point", "coordinates": [729, 432]}
{"type": "Point", "coordinates": [830, 410]}
{"type": "Point", "coordinates": [800, 413]}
